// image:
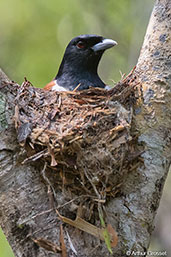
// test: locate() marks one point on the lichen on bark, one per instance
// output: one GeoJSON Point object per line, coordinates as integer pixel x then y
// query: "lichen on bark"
{"type": "Point", "coordinates": [3, 121]}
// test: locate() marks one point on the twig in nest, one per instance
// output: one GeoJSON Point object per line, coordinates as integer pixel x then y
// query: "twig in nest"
{"type": "Point", "coordinates": [36, 156]}
{"type": "Point", "coordinates": [48, 245]}
{"type": "Point", "coordinates": [48, 181]}
{"type": "Point", "coordinates": [94, 187]}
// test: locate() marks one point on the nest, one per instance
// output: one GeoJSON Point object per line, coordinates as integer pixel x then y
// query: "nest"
{"type": "Point", "coordinates": [83, 137]}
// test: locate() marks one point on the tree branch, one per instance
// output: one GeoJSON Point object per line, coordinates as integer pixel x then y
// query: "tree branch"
{"type": "Point", "coordinates": [26, 213]}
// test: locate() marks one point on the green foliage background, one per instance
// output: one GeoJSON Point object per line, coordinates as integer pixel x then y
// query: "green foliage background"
{"type": "Point", "coordinates": [34, 34]}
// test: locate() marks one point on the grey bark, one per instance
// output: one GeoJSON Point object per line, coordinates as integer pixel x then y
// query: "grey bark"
{"type": "Point", "coordinates": [25, 210]}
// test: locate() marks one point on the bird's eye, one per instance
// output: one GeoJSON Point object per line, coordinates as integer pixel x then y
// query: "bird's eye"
{"type": "Point", "coordinates": [81, 45]}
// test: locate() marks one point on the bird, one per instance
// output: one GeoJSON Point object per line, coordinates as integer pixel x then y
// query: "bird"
{"type": "Point", "coordinates": [78, 69]}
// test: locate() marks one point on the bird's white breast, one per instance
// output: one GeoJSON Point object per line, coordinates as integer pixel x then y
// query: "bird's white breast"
{"type": "Point", "coordinates": [107, 87]}
{"type": "Point", "coordinates": [56, 87]}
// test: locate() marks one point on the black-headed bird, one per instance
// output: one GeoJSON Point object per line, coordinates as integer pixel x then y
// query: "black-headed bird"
{"type": "Point", "coordinates": [78, 69]}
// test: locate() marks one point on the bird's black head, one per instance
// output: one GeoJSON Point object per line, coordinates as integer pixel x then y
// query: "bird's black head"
{"type": "Point", "coordinates": [81, 59]}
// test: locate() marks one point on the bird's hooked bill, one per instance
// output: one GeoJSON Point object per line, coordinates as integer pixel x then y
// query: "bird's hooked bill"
{"type": "Point", "coordinates": [105, 44]}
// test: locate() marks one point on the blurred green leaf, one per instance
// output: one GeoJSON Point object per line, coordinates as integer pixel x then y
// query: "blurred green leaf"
{"type": "Point", "coordinates": [5, 250]}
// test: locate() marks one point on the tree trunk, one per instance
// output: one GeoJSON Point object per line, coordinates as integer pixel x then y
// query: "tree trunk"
{"type": "Point", "coordinates": [26, 211]}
